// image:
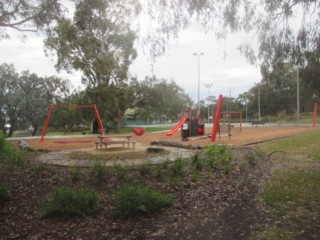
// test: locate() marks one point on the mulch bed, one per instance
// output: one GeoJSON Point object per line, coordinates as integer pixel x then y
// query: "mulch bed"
{"type": "Point", "coordinates": [212, 204]}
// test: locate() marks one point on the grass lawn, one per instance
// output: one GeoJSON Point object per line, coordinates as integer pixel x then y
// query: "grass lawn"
{"type": "Point", "coordinates": [293, 195]}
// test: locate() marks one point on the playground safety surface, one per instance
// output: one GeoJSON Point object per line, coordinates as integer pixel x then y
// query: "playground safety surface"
{"type": "Point", "coordinates": [248, 135]}
{"type": "Point", "coordinates": [59, 151]}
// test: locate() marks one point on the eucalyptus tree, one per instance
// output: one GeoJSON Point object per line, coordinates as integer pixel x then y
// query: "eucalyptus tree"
{"type": "Point", "coordinates": [98, 42]}
{"type": "Point", "coordinates": [27, 97]}
{"type": "Point", "coordinates": [118, 97]}
{"type": "Point", "coordinates": [10, 99]}
{"type": "Point", "coordinates": [155, 98]}
{"type": "Point", "coordinates": [28, 16]}
{"type": "Point", "coordinates": [37, 94]}
{"type": "Point", "coordinates": [277, 93]}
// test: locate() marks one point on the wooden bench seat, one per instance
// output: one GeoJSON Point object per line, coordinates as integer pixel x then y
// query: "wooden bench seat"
{"type": "Point", "coordinates": [106, 143]}
{"type": "Point", "coordinates": [133, 144]}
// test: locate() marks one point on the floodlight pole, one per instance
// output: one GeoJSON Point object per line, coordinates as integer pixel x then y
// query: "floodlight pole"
{"type": "Point", "coordinates": [259, 110]}
{"type": "Point", "coordinates": [298, 96]}
{"type": "Point", "coordinates": [198, 105]}
{"type": "Point", "coordinates": [230, 88]}
{"type": "Point", "coordinates": [208, 86]}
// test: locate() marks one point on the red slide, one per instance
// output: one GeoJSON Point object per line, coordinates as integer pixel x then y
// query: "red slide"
{"type": "Point", "coordinates": [179, 124]}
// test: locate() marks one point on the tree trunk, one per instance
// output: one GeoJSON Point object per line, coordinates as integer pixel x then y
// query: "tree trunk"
{"type": "Point", "coordinates": [174, 144]}
{"type": "Point", "coordinates": [95, 127]}
{"type": "Point", "coordinates": [10, 131]}
{"type": "Point", "coordinates": [117, 125]}
{"type": "Point", "coordinates": [35, 129]}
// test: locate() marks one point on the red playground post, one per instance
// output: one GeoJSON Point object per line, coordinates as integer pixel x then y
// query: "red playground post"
{"type": "Point", "coordinates": [216, 119]}
{"type": "Point", "coordinates": [101, 129]}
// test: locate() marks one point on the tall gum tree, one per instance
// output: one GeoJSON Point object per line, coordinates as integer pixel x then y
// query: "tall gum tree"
{"type": "Point", "coordinates": [28, 16]}
{"type": "Point", "coordinates": [25, 97]}
{"type": "Point", "coordinates": [98, 42]}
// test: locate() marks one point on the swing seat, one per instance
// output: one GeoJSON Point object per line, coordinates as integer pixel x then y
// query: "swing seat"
{"type": "Point", "coordinates": [138, 131]}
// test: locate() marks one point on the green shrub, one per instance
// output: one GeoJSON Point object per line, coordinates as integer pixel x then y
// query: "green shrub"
{"type": "Point", "coordinates": [16, 157]}
{"type": "Point", "coordinates": [198, 162]}
{"type": "Point", "coordinates": [10, 154]}
{"type": "Point", "coordinates": [120, 170]}
{"type": "Point", "coordinates": [66, 201]}
{"type": "Point", "coordinates": [251, 158]}
{"type": "Point", "coordinates": [177, 167]}
{"type": "Point", "coordinates": [215, 150]}
{"type": "Point", "coordinates": [4, 191]}
{"type": "Point", "coordinates": [99, 170]}
{"type": "Point", "coordinates": [218, 157]}
{"type": "Point", "coordinates": [74, 173]}
{"type": "Point", "coordinates": [145, 169]}
{"type": "Point", "coordinates": [132, 200]}
{"type": "Point", "coordinates": [162, 168]}
{"type": "Point", "coordinates": [37, 167]}
{"type": "Point", "coordinates": [2, 142]}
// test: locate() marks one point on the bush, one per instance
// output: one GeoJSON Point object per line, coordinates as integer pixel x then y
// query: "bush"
{"type": "Point", "coordinates": [68, 201]}
{"type": "Point", "coordinates": [74, 173]}
{"type": "Point", "coordinates": [145, 169]}
{"type": "Point", "coordinates": [37, 167]}
{"type": "Point", "coordinates": [132, 200]}
{"type": "Point", "coordinates": [10, 154]}
{"type": "Point", "coordinates": [177, 167]}
{"type": "Point", "coordinates": [99, 170]}
{"type": "Point", "coordinates": [217, 157]}
{"type": "Point", "coordinates": [4, 191]}
{"type": "Point", "coordinates": [2, 142]}
{"type": "Point", "coordinates": [198, 162]}
{"type": "Point", "coordinates": [121, 171]}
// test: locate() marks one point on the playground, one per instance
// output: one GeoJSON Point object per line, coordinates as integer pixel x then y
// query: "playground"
{"type": "Point", "coordinates": [248, 135]}
{"type": "Point", "coordinates": [190, 132]}
{"type": "Point", "coordinates": [207, 201]}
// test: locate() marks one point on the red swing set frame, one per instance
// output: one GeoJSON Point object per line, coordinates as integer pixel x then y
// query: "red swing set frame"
{"type": "Point", "coordinates": [101, 129]}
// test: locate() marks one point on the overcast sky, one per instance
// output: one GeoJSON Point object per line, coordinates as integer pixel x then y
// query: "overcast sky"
{"type": "Point", "coordinates": [230, 74]}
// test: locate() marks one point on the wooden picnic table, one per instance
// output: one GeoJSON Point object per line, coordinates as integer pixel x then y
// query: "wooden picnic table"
{"type": "Point", "coordinates": [109, 142]}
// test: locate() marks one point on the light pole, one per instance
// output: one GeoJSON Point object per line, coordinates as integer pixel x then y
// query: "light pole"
{"type": "Point", "coordinates": [230, 98]}
{"type": "Point", "coordinates": [298, 96]}
{"type": "Point", "coordinates": [259, 114]}
{"type": "Point", "coordinates": [208, 86]}
{"type": "Point", "coordinates": [198, 55]}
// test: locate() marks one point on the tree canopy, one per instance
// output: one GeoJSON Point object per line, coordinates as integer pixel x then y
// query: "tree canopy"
{"type": "Point", "coordinates": [283, 29]}
{"type": "Point", "coordinates": [27, 16]}
{"type": "Point", "coordinates": [26, 97]}
{"type": "Point", "coordinates": [155, 98]}
{"type": "Point", "coordinates": [95, 42]}
{"type": "Point", "coordinates": [99, 42]}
